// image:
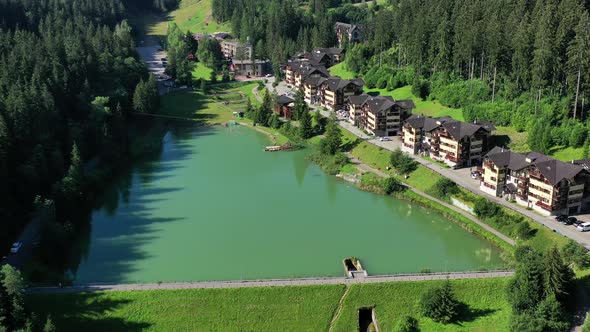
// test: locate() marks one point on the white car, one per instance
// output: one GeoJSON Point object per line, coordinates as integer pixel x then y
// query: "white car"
{"type": "Point", "coordinates": [15, 247]}
{"type": "Point", "coordinates": [385, 138]}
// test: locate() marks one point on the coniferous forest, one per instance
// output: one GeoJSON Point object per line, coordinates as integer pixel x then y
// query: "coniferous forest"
{"type": "Point", "coordinates": [68, 73]}
{"type": "Point", "coordinates": [521, 63]}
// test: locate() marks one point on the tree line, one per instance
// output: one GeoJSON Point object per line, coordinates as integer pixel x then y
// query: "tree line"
{"type": "Point", "coordinates": [68, 75]}
{"type": "Point", "coordinates": [519, 63]}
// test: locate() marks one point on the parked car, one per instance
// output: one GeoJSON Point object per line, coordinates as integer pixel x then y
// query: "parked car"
{"type": "Point", "coordinates": [561, 218]}
{"type": "Point", "coordinates": [584, 227]}
{"type": "Point", "coordinates": [15, 247]}
{"type": "Point", "coordinates": [384, 138]}
{"type": "Point", "coordinates": [268, 75]}
{"type": "Point", "coordinates": [577, 223]}
{"type": "Point", "coordinates": [475, 175]}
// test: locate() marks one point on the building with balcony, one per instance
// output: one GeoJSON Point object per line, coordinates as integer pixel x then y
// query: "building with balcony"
{"type": "Point", "coordinates": [334, 91]}
{"type": "Point", "coordinates": [296, 72]}
{"type": "Point", "coordinates": [345, 32]}
{"type": "Point", "coordinates": [311, 89]}
{"type": "Point", "coordinates": [236, 50]}
{"type": "Point", "coordinates": [536, 181]}
{"type": "Point", "coordinates": [382, 116]}
{"type": "Point", "coordinates": [419, 134]}
{"type": "Point", "coordinates": [354, 106]}
{"type": "Point", "coordinates": [284, 106]}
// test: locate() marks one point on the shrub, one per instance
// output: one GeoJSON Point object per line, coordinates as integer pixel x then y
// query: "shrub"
{"type": "Point", "coordinates": [407, 324]}
{"type": "Point", "coordinates": [485, 209]}
{"type": "Point", "coordinates": [573, 252]}
{"type": "Point", "coordinates": [391, 185]}
{"type": "Point", "coordinates": [445, 188]}
{"type": "Point", "coordinates": [523, 230]}
{"type": "Point", "coordinates": [420, 88]}
{"type": "Point", "coordinates": [402, 162]}
{"type": "Point", "coordinates": [440, 304]}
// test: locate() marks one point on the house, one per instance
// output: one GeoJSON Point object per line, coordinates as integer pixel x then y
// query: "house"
{"type": "Point", "coordinates": [354, 107]}
{"type": "Point", "coordinates": [311, 87]}
{"type": "Point", "coordinates": [298, 71]}
{"type": "Point", "coordinates": [284, 106]}
{"type": "Point", "coordinates": [334, 55]}
{"type": "Point", "coordinates": [333, 91]}
{"type": "Point", "coordinates": [382, 116]}
{"type": "Point", "coordinates": [419, 134]}
{"type": "Point", "coordinates": [347, 33]}
{"type": "Point", "coordinates": [536, 181]}
{"type": "Point", "coordinates": [461, 144]}
{"type": "Point", "coordinates": [236, 49]}
{"type": "Point", "coordinates": [250, 67]}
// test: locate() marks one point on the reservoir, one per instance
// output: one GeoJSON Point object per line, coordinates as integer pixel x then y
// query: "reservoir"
{"type": "Point", "coordinates": [212, 205]}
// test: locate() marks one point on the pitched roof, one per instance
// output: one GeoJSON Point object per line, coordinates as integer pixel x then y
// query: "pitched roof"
{"type": "Point", "coordinates": [505, 158]}
{"type": "Point", "coordinates": [334, 83]}
{"type": "Point", "coordinates": [458, 129]}
{"type": "Point", "coordinates": [284, 100]}
{"type": "Point", "coordinates": [328, 50]}
{"type": "Point", "coordinates": [555, 171]}
{"type": "Point", "coordinates": [535, 156]}
{"type": "Point", "coordinates": [427, 124]}
{"type": "Point", "coordinates": [405, 104]}
{"type": "Point", "coordinates": [358, 100]}
{"type": "Point", "coordinates": [313, 80]}
{"type": "Point", "coordinates": [379, 103]}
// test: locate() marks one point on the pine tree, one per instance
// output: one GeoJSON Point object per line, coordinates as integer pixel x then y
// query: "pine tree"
{"type": "Point", "coordinates": [558, 276]}
{"type": "Point", "coordinates": [49, 326]}
{"type": "Point", "coordinates": [333, 138]}
{"type": "Point", "coordinates": [140, 98]}
{"type": "Point", "coordinates": [440, 304]}
{"type": "Point", "coordinates": [305, 128]}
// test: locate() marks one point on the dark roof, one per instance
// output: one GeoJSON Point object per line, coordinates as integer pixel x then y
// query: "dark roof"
{"type": "Point", "coordinates": [535, 156]}
{"type": "Point", "coordinates": [458, 129]}
{"type": "Point", "coordinates": [585, 163]}
{"type": "Point", "coordinates": [379, 103]}
{"type": "Point", "coordinates": [427, 124]}
{"type": "Point", "coordinates": [314, 80]}
{"type": "Point", "coordinates": [329, 50]}
{"type": "Point", "coordinates": [336, 83]}
{"type": "Point", "coordinates": [505, 158]}
{"type": "Point", "coordinates": [405, 104]}
{"type": "Point", "coordinates": [487, 125]}
{"type": "Point", "coordinates": [358, 100]}
{"type": "Point", "coordinates": [284, 100]}
{"type": "Point", "coordinates": [555, 171]}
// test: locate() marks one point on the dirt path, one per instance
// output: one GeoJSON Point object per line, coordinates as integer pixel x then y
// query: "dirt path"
{"type": "Point", "coordinates": [271, 282]}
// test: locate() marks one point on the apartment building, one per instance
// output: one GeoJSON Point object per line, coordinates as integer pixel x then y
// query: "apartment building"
{"type": "Point", "coordinates": [347, 33]}
{"type": "Point", "coordinates": [236, 49]}
{"type": "Point", "coordinates": [456, 143]}
{"type": "Point", "coordinates": [354, 106]}
{"type": "Point", "coordinates": [382, 116]}
{"type": "Point", "coordinates": [333, 91]}
{"type": "Point", "coordinates": [536, 181]}
{"type": "Point", "coordinates": [311, 89]}
{"type": "Point", "coordinates": [297, 72]}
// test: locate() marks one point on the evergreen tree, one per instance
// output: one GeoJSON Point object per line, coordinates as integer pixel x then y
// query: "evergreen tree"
{"type": "Point", "coordinates": [333, 138]}
{"type": "Point", "coordinates": [440, 304]}
{"type": "Point", "coordinates": [49, 326]}
{"type": "Point", "coordinates": [558, 276]}
{"type": "Point", "coordinates": [274, 122]}
{"type": "Point", "coordinates": [305, 128]}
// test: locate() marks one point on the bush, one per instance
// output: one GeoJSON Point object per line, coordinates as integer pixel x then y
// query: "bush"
{"type": "Point", "coordinates": [523, 230]}
{"type": "Point", "coordinates": [407, 324]}
{"type": "Point", "coordinates": [420, 88]}
{"type": "Point", "coordinates": [573, 252]}
{"type": "Point", "coordinates": [444, 189]}
{"type": "Point", "coordinates": [391, 185]}
{"type": "Point", "coordinates": [485, 209]}
{"type": "Point", "coordinates": [402, 162]}
{"type": "Point", "coordinates": [440, 304]}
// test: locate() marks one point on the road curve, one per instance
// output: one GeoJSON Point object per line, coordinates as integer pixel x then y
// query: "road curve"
{"type": "Point", "coordinates": [269, 282]}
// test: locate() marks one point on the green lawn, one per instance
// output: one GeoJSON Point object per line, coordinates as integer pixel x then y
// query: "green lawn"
{"type": "Point", "coordinates": [193, 15]}
{"type": "Point", "coordinates": [425, 107]}
{"type": "Point", "coordinates": [340, 71]}
{"type": "Point", "coordinates": [567, 153]}
{"type": "Point", "coordinates": [298, 308]}
{"type": "Point", "coordinates": [241, 309]}
{"type": "Point", "coordinates": [202, 72]}
{"type": "Point", "coordinates": [486, 306]}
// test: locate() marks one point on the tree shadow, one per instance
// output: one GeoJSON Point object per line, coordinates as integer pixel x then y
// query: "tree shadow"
{"type": "Point", "coordinates": [500, 140]}
{"type": "Point", "coordinates": [468, 314]}
{"type": "Point", "coordinates": [84, 312]}
{"type": "Point", "coordinates": [348, 146]}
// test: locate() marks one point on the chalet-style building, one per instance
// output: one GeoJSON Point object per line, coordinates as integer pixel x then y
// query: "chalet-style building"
{"type": "Point", "coordinates": [456, 143]}
{"type": "Point", "coordinates": [382, 116]}
{"type": "Point", "coordinates": [310, 89]}
{"type": "Point", "coordinates": [354, 107]}
{"type": "Point", "coordinates": [347, 32]}
{"type": "Point", "coordinates": [284, 106]}
{"type": "Point", "coordinates": [536, 181]}
{"type": "Point", "coordinates": [297, 72]}
{"type": "Point", "coordinates": [333, 91]}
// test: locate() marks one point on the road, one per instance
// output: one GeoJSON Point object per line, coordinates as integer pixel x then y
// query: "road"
{"type": "Point", "coordinates": [270, 282]}
{"type": "Point", "coordinates": [460, 176]}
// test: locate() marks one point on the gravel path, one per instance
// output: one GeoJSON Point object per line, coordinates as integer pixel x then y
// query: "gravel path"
{"type": "Point", "coordinates": [270, 282]}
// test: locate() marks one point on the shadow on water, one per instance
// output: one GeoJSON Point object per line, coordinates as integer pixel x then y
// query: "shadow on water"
{"type": "Point", "coordinates": [300, 166]}
{"type": "Point", "coordinates": [120, 244]}
{"type": "Point", "coordinates": [91, 312]}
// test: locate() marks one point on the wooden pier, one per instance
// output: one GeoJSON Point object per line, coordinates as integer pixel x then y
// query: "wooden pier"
{"type": "Point", "coordinates": [283, 147]}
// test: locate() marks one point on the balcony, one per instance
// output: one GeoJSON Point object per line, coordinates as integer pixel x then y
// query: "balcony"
{"type": "Point", "coordinates": [544, 206]}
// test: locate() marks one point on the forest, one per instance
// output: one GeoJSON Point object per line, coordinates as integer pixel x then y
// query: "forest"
{"type": "Point", "coordinates": [521, 63]}
{"type": "Point", "coordinates": [68, 76]}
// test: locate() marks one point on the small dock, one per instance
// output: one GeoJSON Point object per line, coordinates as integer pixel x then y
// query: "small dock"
{"type": "Point", "coordinates": [283, 147]}
{"type": "Point", "coordinates": [354, 269]}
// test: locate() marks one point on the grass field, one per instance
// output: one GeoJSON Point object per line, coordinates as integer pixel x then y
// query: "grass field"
{"type": "Point", "coordinates": [191, 15]}
{"type": "Point", "coordinates": [299, 308]}
{"type": "Point", "coordinates": [340, 71]}
{"type": "Point", "coordinates": [202, 72]}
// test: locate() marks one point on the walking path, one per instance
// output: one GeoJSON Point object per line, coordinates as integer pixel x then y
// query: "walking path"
{"type": "Point", "coordinates": [271, 282]}
{"type": "Point", "coordinates": [464, 213]}
{"type": "Point", "coordinates": [460, 176]}
{"type": "Point", "coordinates": [338, 311]}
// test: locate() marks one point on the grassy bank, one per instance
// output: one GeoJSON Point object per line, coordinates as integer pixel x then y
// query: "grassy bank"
{"type": "Point", "coordinates": [298, 308]}
{"type": "Point", "coordinates": [424, 179]}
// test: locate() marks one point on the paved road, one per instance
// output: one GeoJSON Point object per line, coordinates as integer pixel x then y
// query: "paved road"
{"type": "Point", "coordinates": [271, 282]}
{"type": "Point", "coordinates": [461, 177]}
{"type": "Point", "coordinates": [466, 214]}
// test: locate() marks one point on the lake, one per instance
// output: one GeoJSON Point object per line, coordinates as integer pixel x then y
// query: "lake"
{"type": "Point", "coordinates": [211, 205]}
